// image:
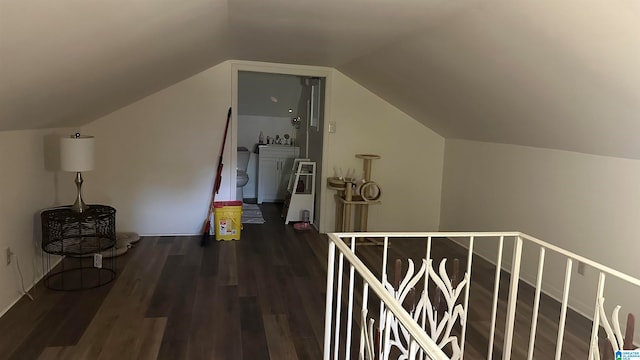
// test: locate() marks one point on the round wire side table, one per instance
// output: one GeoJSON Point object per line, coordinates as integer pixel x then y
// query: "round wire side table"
{"type": "Point", "coordinates": [87, 242]}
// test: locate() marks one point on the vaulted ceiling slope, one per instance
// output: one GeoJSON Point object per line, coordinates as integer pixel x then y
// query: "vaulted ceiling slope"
{"type": "Point", "coordinates": [544, 73]}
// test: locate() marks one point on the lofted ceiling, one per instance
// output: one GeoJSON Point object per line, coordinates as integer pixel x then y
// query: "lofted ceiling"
{"type": "Point", "coordinates": [544, 73]}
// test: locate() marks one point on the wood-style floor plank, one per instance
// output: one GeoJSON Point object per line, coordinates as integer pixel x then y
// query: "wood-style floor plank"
{"type": "Point", "coordinates": [44, 331]}
{"type": "Point", "coordinates": [307, 348]}
{"type": "Point", "coordinates": [200, 343]}
{"type": "Point", "coordinates": [56, 353]}
{"type": "Point", "coordinates": [12, 324]}
{"type": "Point", "coordinates": [122, 308]}
{"type": "Point", "coordinates": [227, 335]}
{"type": "Point", "coordinates": [254, 341]}
{"type": "Point", "coordinates": [150, 338]}
{"type": "Point", "coordinates": [279, 337]}
{"type": "Point", "coordinates": [175, 341]}
{"type": "Point", "coordinates": [163, 296]}
{"type": "Point", "coordinates": [227, 264]}
{"type": "Point", "coordinates": [123, 343]}
{"type": "Point", "coordinates": [247, 260]}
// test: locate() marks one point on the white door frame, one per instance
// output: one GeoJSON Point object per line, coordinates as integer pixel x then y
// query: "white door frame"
{"type": "Point", "coordinates": [288, 69]}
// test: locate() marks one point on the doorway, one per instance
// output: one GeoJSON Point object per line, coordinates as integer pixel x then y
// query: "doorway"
{"type": "Point", "coordinates": [282, 111]}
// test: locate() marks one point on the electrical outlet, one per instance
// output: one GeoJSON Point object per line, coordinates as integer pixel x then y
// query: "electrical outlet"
{"type": "Point", "coordinates": [97, 261]}
{"type": "Point", "coordinates": [9, 255]}
{"type": "Point", "coordinates": [581, 267]}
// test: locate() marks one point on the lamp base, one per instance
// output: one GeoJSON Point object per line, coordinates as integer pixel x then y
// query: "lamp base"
{"type": "Point", "coordinates": [79, 205]}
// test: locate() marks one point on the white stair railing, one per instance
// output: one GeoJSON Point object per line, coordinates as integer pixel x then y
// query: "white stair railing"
{"type": "Point", "coordinates": [422, 331]}
{"type": "Point", "coordinates": [418, 341]}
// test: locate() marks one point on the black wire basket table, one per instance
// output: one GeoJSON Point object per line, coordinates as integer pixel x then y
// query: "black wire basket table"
{"type": "Point", "coordinates": [86, 240]}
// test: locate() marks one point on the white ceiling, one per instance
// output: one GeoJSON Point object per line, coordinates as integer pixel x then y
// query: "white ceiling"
{"type": "Point", "coordinates": [547, 73]}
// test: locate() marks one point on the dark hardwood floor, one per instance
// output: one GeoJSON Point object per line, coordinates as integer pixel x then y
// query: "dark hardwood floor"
{"type": "Point", "coordinates": [258, 298]}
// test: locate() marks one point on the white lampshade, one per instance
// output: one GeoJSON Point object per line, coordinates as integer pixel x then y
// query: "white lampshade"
{"type": "Point", "coordinates": [76, 153]}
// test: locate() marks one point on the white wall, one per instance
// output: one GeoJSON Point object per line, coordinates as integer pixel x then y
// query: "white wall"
{"type": "Point", "coordinates": [156, 158]}
{"type": "Point", "coordinates": [410, 170]}
{"type": "Point", "coordinates": [584, 203]}
{"type": "Point", "coordinates": [29, 182]}
{"type": "Point", "coordinates": [249, 127]}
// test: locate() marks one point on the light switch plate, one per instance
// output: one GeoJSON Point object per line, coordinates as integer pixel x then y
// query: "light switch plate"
{"type": "Point", "coordinates": [332, 126]}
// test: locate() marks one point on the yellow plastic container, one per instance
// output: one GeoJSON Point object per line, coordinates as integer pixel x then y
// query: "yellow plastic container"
{"type": "Point", "coordinates": [228, 219]}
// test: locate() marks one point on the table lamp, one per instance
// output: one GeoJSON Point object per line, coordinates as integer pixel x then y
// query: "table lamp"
{"type": "Point", "coordinates": [76, 155]}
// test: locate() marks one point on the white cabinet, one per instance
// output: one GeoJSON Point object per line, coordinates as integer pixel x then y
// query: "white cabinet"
{"type": "Point", "coordinates": [274, 169]}
{"type": "Point", "coordinates": [268, 179]}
